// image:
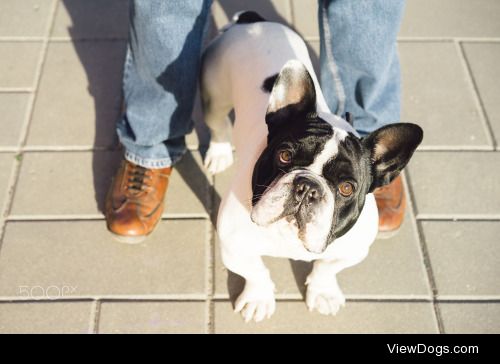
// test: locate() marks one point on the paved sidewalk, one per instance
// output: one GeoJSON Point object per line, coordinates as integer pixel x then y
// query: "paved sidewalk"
{"type": "Point", "coordinates": [60, 74]}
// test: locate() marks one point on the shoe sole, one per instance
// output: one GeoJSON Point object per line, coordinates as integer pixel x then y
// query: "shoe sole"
{"type": "Point", "coordinates": [383, 235]}
{"type": "Point", "coordinates": [129, 240]}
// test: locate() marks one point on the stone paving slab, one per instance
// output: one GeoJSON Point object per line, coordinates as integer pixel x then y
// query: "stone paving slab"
{"type": "Point", "coordinates": [483, 59]}
{"type": "Point", "coordinates": [76, 183]}
{"type": "Point", "coordinates": [436, 95]}
{"type": "Point", "coordinates": [85, 110]}
{"type": "Point", "coordinates": [13, 110]}
{"type": "Point", "coordinates": [189, 187]}
{"type": "Point", "coordinates": [451, 18]}
{"type": "Point", "coordinates": [73, 183]}
{"type": "Point", "coordinates": [465, 256]}
{"type": "Point", "coordinates": [456, 183]}
{"type": "Point", "coordinates": [82, 255]}
{"type": "Point", "coordinates": [314, 50]}
{"type": "Point", "coordinates": [18, 63]}
{"type": "Point", "coordinates": [45, 318]}
{"type": "Point", "coordinates": [90, 19]}
{"type": "Point", "coordinates": [24, 18]}
{"type": "Point", "coordinates": [152, 318]}
{"type": "Point", "coordinates": [355, 317]}
{"type": "Point", "coordinates": [306, 18]}
{"type": "Point", "coordinates": [471, 318]}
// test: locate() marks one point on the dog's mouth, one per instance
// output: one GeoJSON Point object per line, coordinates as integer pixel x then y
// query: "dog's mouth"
{"type": "Point", "coordinates": [295, 222]}
{"type": "Point", "coordinates": [290, 213]}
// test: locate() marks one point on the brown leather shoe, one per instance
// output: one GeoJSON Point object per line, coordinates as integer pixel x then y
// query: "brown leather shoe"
{"type": "Point", "coordinates": [135, 201]}
{"type": "Point", "coordinates": [391, 203]}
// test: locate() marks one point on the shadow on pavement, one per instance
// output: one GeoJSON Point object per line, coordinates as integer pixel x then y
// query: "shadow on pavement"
{"type": "Point", "coordinates": [104, 72]}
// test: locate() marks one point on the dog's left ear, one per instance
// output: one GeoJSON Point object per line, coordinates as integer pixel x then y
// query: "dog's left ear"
{"type": "Point", "coordinates": [391, 148]}
{"type": "Point", "coordinates": [293, 94]}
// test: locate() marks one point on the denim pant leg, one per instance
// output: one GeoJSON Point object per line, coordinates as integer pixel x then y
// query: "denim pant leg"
{"type": "Point", "coordinates": [160, 78]}
{"type": "Point", "coordinates": [359, 60]}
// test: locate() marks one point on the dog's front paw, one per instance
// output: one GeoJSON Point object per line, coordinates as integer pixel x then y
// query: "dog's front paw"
{"type": "Point", "coordinates": [219, 157]}
{"type": "Point", "coordinates": [325, 300]}
{"type": "Point", "coordinates": [256, 302]}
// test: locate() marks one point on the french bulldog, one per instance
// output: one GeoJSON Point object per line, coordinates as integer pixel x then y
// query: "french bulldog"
{"type": "Point", "coordinates": [303, 178]}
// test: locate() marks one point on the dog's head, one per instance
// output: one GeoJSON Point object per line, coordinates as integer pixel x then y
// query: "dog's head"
{"type": "Point", "coordinates": [314, 177]}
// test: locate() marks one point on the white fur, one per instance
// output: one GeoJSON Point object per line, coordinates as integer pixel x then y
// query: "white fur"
{"type": "Point", "coordinates": [219, 156]}
{"type": "Point", "coordinates": [329, 151]}
{"type": "Point", "coordinates": [234, 67]}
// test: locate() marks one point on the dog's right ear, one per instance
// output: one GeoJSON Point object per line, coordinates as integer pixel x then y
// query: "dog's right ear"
{"type": "Point", "coordinates": [292, 96]}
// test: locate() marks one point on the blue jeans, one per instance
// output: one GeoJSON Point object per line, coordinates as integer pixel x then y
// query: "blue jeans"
{"type": "Point", "coordinates": [359, 60]}
{"type": "Point", "coordinates": [359, 70]}
{"type": "Point", "coordinates": [160, 79]}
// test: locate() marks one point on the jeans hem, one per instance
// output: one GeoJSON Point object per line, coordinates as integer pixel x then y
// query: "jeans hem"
{"type": "Point", "coordinates": [153, 163]}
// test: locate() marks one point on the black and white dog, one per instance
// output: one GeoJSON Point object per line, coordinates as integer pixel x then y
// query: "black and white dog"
{"type": "Point", "coordinates": [303, 177]}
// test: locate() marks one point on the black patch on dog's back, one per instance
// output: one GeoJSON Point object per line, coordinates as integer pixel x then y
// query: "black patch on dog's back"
{"type": "Point", "coordinates": [267, 85]}
{"type": "Point", "coordinates": [248, 17]}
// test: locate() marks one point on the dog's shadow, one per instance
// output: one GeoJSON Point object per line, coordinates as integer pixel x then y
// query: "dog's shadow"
{"type": "Point", "coordinates": [300, 270]}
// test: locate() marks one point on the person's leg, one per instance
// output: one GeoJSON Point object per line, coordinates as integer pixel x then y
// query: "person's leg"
{"type": "Point", "coordinates": [160, 78]}
{"type": "Point", "coordinates": [360, 75]}
{"type": "Point", "coordinates": [159, 85]}
{"type": "Point", "coordinates": [359, 60]}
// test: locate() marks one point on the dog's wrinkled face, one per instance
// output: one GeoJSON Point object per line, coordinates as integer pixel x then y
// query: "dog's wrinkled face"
{"type": "Point", "coordinates": [313, 178]}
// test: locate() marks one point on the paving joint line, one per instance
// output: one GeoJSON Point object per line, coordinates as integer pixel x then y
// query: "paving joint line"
{"type": "Point", "coordinates": [21, 39]}
{"type": "Point", "coordinates": [201, 298]}
{"type": "Point", "coordinates": [448, 39]}
{"type": "Point", "coordinates": [471, 299]}
{"type": "Point", "coordinates": [95, 316]}
{"type": "Point", "coordinates": [290, 14]}
{"type": "Point", "coordinates": [464, 217]}
{"type": "Point", "coordinates": [426, 261]}
{"type": "Point", "coordinates": [69, 39]}
{"type": "Point", "coordinates": [349, 298]}
{"type": "Point", "coordinates": [210, 259]}
{"type": "Point", "coordinates": [456, 148]}
{"type": "Point", "coordinates": [16, 90]}
{"type": "Point", "coordinates": [415, 39]}
{"type": "Point", "coordinates": [173, 297]}
{"type": "Point", "coordinates": [195, 148]}
{"type": "Point", "coordinates": [95, 217]}
{"type": "Point", "coordinates": [69, 148]}
{"type": "Point", "coordinates": [483, 115]}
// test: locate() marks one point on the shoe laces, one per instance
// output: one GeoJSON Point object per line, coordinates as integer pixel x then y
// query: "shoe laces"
{"type": "Point", "coordinates": [138, 179]}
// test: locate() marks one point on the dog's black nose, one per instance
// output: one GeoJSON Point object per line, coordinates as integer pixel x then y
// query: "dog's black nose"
{"type": "Point", "coordinates": [307, 190]}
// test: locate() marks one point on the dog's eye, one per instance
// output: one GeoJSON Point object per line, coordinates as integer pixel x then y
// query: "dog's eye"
{"type": "Point", "coordinates": [346, 189]}
{"type": "Point", "coordinates": [285, 156]}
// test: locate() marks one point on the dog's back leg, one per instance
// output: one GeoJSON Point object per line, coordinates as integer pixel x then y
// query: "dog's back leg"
{"type": "Point", "coordinates": [217, 103]}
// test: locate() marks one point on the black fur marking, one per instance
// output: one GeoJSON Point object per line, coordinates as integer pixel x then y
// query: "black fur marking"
{"type": "Point", "coordinates": [248, 17]}
{"type": "Point", "coordinates": [267, 85]}
{"type": "Point", "coordinates": [304, 137]}
{"type": "Point", "coordinates": [352, 164]}
{"type": "Point", "coordinates": [391, 148]}
{"type": "Point", "coordinates": [349, 118]}
{"type": "Point", "coordinates": [366, 163]}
